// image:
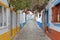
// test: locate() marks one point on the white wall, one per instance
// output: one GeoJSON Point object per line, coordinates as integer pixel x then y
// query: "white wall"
{"type": "Point", "coordinates": [22, 17]}
{"type": "Point", "coordinates": [13, 19]}
{"type": "Point", "coordinates": [40, 18]}
{"type": "Point", "coordinates": [18, 20]}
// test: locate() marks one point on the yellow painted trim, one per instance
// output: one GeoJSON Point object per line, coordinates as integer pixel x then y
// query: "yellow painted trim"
{"type": "Point", "coordinates": [18, 28]}
{"type": "Point", "coordinates": [3, 4]}
{"type": "Point", "coordinates": [13, 32]}
{"type": "Point", "coordinates": [5, 36]}
{"type": "Point", "coordinates": [12, 9]}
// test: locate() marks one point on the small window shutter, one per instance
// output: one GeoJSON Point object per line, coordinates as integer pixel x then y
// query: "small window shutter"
{"type": "Point", "coordinates": [54, 14]}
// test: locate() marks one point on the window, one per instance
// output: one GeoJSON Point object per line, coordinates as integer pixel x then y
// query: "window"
{"type": "Point", "coordinates": [56, 14]}
{"type": "Point", "coordinates": [3, 19]}
{"type": "Point", "coordinates": [1, 16]}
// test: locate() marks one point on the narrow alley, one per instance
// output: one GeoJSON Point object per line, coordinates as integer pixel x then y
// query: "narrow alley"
{"type": "Point", "coordinates": [31, 31]}
{"type": "Point", "coordinates": [29, 19]}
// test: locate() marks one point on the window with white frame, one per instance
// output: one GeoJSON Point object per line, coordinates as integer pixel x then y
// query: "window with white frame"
{"type": "Point", "coordinates": [3, 19]}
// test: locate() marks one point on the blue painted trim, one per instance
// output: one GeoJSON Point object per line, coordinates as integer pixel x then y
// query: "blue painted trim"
{"type": "Point", "coordinates": [57, 25]}
{"type": "Point", "coordinates": [56, 2]}
{"type": "Point", "coordinates": [22, 25]}
{"type": "Point", "coordinates": [40, 25]}
{"type": "Point", "coordinates": [47, 18]}
{"type": "Point", "coordinates": [48, 24]}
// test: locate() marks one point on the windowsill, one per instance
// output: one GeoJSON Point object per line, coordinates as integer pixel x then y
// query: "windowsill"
{"type": "Point", "coordinates": [3, 27]}
{"type": "Point", "coordinates": [55, 28]}
{"type": "Point", "coordinates": [56, 23]}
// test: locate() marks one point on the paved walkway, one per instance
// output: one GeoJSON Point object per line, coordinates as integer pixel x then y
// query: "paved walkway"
{"type": "Point", "coordinates": [31, 31]}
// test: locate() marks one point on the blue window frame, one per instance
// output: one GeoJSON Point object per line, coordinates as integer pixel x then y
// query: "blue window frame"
{"type": "Point", "coordinates": [47, 17]}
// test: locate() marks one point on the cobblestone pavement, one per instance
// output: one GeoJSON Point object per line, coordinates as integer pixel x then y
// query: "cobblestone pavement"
{"type": "Point", "coordinates": [31, 31]}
